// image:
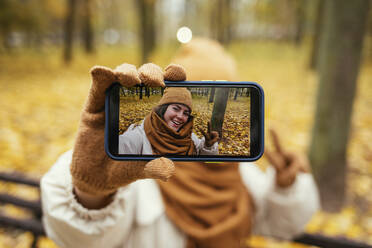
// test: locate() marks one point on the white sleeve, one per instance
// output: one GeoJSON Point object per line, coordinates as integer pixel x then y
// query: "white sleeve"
{"type": "Point", "coordinates": [280, 212]}
{"type": "Point", "coordinates": [69, 224]}
{"type": "Point", "coordinates": [130, 141]}
{"type": "Point", "coordinates": [201, 148]}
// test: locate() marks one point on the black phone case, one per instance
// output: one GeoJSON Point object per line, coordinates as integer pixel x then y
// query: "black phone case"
{"type": "Point", "coordinates": [257, 127]}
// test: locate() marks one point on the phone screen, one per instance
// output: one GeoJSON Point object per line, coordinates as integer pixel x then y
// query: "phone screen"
{"type": "Point", "coordinates": [223, 122]}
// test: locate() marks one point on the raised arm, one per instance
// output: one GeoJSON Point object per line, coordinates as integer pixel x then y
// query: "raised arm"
{"type": "Point", "coordinates": [208, 145]}
{"type": "Point", "coordinates": [285, 194]}
{"type": "Point", "coordinates": [85, 203]}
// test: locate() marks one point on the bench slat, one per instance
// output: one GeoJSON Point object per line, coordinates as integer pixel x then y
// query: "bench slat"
{"type": "Point", "coordinates": [329, 242]}
{"type": "Point", "coordinates": [18, 178]}
{"type": "Point", "coordinates": [34, 206]}
{"type": "Point", "coordinates": [35, 226]}
{"type": "Point", "coordinates": [30, 225]}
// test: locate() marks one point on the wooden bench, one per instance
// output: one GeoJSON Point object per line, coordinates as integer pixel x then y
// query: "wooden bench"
{"type": "Point", "coordinates": [34, 225]}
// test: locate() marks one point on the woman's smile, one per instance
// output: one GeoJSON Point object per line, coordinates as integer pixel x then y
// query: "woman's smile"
{"type": "Point", "coordinates": [176, 115]}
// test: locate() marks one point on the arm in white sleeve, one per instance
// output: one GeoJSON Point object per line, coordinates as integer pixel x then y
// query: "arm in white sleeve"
{"type": "Point", "coordinates": [69, 224]}
{"type": "Point", "coordinates": [201, 147]}
{"type": "Point", "coordinates": [280, 212]}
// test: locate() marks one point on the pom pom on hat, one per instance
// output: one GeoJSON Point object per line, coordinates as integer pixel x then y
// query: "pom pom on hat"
{"type": "Point", "coordinates": [206, 59]}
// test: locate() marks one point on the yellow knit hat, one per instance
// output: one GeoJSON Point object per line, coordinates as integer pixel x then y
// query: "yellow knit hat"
{"type": "Point", "coordinates": [176, 95]}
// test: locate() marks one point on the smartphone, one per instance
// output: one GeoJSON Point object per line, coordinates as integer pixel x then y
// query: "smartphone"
{"type": "Point", "coordinates": [234, 110]}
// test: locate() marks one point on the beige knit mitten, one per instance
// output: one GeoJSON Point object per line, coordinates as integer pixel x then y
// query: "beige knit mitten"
{"type": "Point", "coordinates": [92, 170]}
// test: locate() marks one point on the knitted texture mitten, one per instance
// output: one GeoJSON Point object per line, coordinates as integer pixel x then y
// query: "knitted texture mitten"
{"type": "Point", "coordinates": [92, 170]}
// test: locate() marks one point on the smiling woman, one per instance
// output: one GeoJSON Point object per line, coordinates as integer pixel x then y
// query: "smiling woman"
{"type": "Point", "coordinates": [167, 130]}
{"type": "Point", "coordinates": [176, 115]}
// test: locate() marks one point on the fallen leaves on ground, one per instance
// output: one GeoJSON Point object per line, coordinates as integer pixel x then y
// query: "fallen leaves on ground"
{"type": "Point", "coordinates": [41, 102]}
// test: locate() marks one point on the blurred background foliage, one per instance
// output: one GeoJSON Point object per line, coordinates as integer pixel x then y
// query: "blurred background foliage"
{"type": "Point", "coordinates": [48, 46]}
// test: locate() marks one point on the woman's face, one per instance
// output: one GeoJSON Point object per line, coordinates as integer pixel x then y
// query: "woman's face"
{"type": "Point", "coordinates": [176, 115]}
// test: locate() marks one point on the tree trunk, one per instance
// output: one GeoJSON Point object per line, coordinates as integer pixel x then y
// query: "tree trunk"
{"type": "Point", "coordinates": [214, 20]}
{"type": "Point", "coordinates": [219, 108]}
{"type": "Point", "coordinates": [211, 96]}
{"type": "Point", "coordinates": [221, 21]}
{"type": "Point", "coordinates": [317, 34]}
{"type": "Point", "coordinates": [88, 35]}
{"type": "Point", "coordinates": [5, 39]}
{"type": "Point", "coordinates": [341, 46]}
{"type": "Point", "coordinates": [187, 9]}
{"type": "Point", "coordinates": [236, 93]}
{"type": "Point", "coordinates": [146, 14]}
{"type": "Point", "coordinates": [228, 21]}
{"type": "Point", "coordinates": [140, 92]}
{"type": "Point", "coordinates": [300, 20]}
{"type": "Point", "coordinates": [69, 30]}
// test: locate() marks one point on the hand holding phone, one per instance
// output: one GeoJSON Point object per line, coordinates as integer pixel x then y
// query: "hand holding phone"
{"type": "Point", "coordinates": [92, 170]}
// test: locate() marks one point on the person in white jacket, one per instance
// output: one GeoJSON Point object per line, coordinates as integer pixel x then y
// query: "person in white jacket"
{"type": "Point", "coordinates": [91, 201]}
{"type": "Point", "coordinates": [173, 116]}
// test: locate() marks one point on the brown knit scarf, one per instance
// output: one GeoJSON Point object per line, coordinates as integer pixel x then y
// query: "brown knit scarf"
{"type": "Point", "coordinates": [208, 202]}
{"type": "Point", "coordinates": [165, 140]}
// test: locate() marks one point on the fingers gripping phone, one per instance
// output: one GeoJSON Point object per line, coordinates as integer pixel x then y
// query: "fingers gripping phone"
{"type": "Point", "coordinates": [200, 121]}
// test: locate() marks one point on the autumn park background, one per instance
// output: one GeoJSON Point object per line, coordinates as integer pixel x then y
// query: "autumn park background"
{"type": "Point", "coordinates": [313, 59]}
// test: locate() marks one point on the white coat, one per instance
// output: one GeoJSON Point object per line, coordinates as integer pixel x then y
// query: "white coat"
{"type": "Point", "coordinates": [136, 217]}
{"type": "Point", "coordinates": [135, 141]}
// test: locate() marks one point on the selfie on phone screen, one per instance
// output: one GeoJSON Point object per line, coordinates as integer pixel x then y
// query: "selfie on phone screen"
{"type": "Point", "coordinates": [197, 120]}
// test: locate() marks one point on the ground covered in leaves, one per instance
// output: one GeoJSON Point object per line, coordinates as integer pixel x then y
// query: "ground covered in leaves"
{"type": "Point", "coordinates": [41, 99]}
